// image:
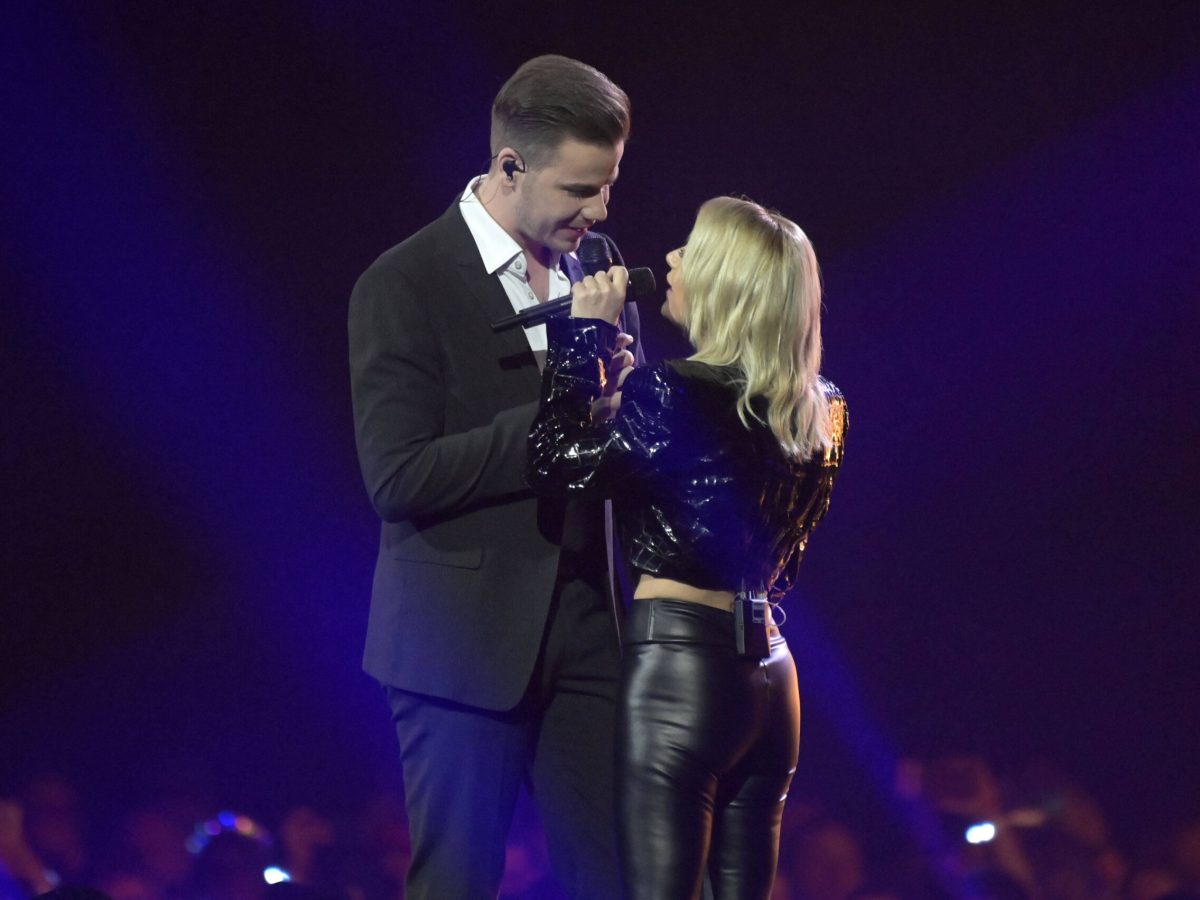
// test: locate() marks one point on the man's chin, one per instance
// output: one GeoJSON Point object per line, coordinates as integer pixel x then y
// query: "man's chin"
{"type": "Point", "coordinates": [570, 238]}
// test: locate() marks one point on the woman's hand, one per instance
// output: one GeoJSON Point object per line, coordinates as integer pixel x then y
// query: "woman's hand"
{"type": "Point", "coordinates": [606, 405]}
{"type": "Point", "coordinates": [600, 296]}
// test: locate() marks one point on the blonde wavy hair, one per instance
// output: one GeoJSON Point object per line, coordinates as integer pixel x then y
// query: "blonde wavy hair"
{"type": "Point", "coordinates": [752, 293]}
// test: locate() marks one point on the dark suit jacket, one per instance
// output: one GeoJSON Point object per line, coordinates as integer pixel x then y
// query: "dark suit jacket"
{"type": "Point", "coordinates": [442, 409]}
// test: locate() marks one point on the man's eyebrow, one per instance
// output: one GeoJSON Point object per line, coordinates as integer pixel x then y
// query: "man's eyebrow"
{"type": "Point", "coordinates": [587, 185]}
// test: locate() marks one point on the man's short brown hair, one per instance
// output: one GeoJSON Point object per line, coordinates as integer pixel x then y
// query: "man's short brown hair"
{"type": "Point", "coordinates": [553, 98]}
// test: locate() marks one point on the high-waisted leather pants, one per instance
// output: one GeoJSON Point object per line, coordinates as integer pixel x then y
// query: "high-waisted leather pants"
{"type": "Point", "coordinates": [707, 742]}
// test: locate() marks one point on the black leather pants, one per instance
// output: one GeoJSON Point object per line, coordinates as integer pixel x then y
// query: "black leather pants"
{"type": "Point", "coordinates": [707, 743]}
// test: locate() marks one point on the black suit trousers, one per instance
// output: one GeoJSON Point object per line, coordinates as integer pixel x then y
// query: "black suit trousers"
{"type": "Point", "coordinates": [463, 766]}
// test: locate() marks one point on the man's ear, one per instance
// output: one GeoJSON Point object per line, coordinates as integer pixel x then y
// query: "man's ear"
{"type": "Point", "coordinates": [510, 163]}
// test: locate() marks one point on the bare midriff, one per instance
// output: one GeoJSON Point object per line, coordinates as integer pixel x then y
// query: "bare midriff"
{"type": "Point", "coordinates": [651, 588]}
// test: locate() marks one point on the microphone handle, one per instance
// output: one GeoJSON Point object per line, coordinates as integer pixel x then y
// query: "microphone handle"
{"type": "Point", "coordinates": [535, 315]}
{"type": "Point", "coordinates": [641, 281]}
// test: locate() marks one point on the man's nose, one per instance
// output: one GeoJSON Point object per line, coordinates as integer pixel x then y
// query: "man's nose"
{"type": "Point", "coordinates": [596, 209]}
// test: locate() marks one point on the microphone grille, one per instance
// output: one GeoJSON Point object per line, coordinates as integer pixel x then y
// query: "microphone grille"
{"type": "Point", "coordinates": [593, 255]}
{"type": "Point", "coordinates": [641, 282]}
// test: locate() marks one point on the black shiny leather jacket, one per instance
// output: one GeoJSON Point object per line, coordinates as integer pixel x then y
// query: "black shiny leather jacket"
{"type": "Point", "coordinates": [699, 497]}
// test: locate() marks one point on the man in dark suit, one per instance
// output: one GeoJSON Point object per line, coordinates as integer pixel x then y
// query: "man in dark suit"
{"type": "Point", "coordinates": [492, 626]}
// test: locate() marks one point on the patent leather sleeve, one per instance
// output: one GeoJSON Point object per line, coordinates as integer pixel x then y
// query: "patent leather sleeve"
{"type": "Point", "coordinates": [568, 452]}
{"type": "Point", "coordinates": [806, 510]}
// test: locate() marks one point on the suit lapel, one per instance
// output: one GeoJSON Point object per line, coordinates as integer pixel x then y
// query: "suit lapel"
{"type": "Point", "coordinates": [486, 295]}
{"type": "Point", "coordinates": [571, 267]}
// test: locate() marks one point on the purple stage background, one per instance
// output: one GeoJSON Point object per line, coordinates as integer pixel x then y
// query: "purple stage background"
{"type": "Point", "coordinates": [1006, 203]}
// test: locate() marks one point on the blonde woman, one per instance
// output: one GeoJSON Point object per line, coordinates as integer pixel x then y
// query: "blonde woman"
{"type": "Point", "coordinates": [719, 466]}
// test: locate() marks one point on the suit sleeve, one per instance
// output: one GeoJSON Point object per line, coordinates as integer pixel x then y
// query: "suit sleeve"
{"type": "Point", "coordinates": [411, 467]}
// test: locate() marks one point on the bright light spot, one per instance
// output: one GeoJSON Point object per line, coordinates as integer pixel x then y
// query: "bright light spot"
{"type": "Point", "coordinates": [981, 833]}
{"type": "Point", "coordinates": [274, 875]}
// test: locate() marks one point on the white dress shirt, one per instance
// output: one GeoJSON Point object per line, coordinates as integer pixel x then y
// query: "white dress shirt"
{"type": "Point", "coordinates": [502, 256]}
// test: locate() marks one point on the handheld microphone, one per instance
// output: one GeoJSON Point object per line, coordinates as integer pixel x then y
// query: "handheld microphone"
{"type": "Point", "coordinates": [641, 283]}
{"type": "Point", "coordinates": [594, 255]}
